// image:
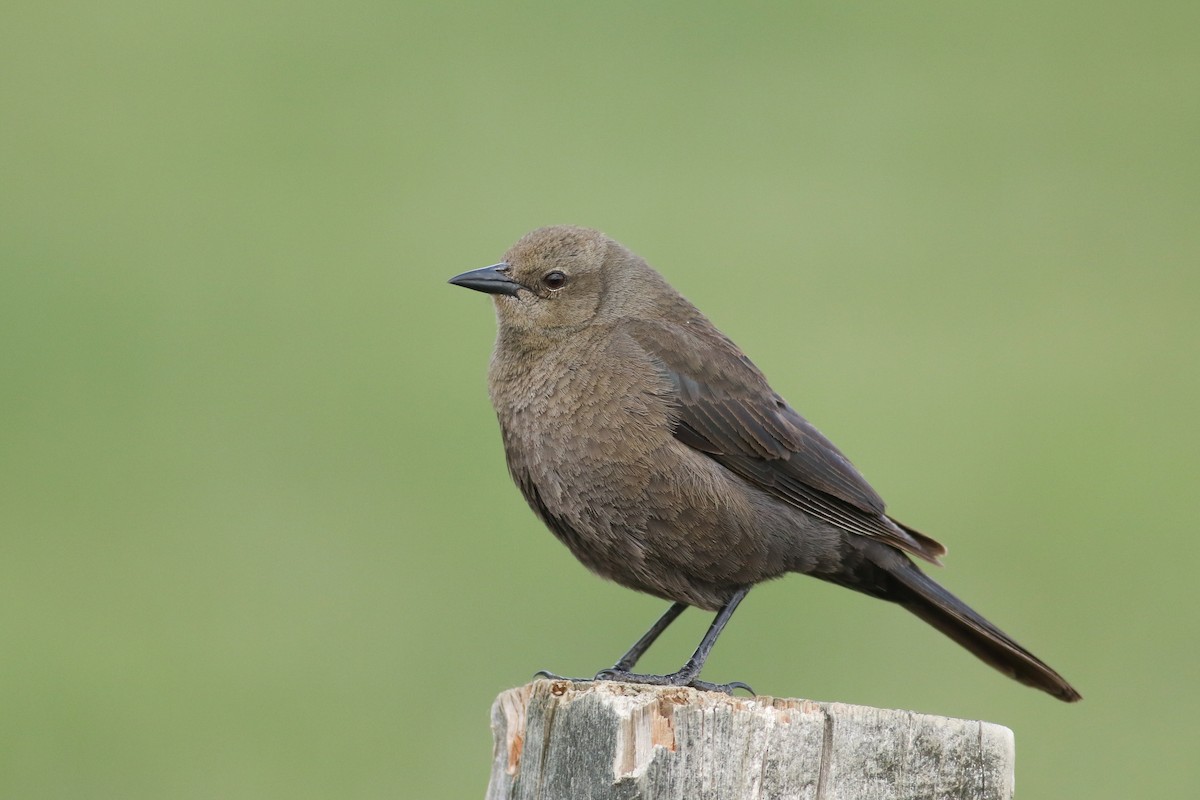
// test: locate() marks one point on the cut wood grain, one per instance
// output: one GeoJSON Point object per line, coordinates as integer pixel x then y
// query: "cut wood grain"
{"type": "Point", "coordinates": [559, 740]}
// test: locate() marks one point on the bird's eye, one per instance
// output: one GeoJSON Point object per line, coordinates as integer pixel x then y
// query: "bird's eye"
{"type": "Point", "coordinates": [554, 280]}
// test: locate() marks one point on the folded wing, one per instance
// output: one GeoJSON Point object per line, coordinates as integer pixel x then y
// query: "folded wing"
{"type": "Point", "coordinates": [727, 411]}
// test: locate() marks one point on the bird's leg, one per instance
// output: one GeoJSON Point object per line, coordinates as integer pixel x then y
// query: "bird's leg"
{"type": "Point", "coordinates": [687, 675]}
{"type": "Point", "coordinates": [630, 659]}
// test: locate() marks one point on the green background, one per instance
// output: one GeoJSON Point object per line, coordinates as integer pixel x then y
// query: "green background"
{"type": "Point", "coordinates": [258, 540]}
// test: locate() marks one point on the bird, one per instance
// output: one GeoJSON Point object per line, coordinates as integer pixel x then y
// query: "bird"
{"type": "Point", "coordinates": [657, 452]}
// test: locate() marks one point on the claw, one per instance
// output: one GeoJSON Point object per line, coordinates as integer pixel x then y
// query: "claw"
{"type": "Point", "coordinates": [724, 688]}
{"type": "Point", "coordinates": [551, 676]}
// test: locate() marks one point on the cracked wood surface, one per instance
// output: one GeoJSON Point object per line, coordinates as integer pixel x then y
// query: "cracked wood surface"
{"type": "Point", "coordinates": [558, 740]}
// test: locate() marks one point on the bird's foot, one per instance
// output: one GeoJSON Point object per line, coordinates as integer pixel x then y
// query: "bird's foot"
{"type": "Point", "coordinates": [723, 688]}
{"type": "Point", "coordinates": [681, 678]}
{"type": "Point", "coordinates": [551, 676]}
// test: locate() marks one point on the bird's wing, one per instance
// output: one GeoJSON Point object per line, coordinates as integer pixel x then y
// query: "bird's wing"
{"type": "Point", "coordinates": [727, 411]}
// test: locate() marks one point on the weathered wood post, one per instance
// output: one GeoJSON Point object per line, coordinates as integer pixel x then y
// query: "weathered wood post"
{"type": "Point", "coordinates": [558, 740]}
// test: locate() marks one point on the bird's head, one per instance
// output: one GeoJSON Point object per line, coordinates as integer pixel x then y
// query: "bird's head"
{"type": "Point", "coordinates": [559, 279]}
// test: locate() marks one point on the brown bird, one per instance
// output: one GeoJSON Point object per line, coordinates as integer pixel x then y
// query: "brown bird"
{"type": "Point", "coordinates": [657, 452]}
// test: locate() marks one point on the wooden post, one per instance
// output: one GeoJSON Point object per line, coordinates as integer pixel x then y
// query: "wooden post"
{"type": "Point", "coordinates": [558, 740]}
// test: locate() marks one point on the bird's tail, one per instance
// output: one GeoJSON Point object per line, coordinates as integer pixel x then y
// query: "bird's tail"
{"type": "Point", "coordinates": [921, 595]}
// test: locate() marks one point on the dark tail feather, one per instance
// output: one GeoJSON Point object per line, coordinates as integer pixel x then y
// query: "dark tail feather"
{"type": "Point", "coordinates": [953, 617]}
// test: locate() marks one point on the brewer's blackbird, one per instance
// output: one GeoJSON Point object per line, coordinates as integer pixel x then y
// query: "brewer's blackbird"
{"type": "Point", "coordinates": [657, 452]}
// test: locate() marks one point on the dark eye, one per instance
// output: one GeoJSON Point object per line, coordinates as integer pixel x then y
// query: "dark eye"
{"type": "Point", "coordinates": [554, 280]}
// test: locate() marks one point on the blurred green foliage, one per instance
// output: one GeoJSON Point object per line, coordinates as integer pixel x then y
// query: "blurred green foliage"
{"type": "Point", "coordinates": [258, 540]}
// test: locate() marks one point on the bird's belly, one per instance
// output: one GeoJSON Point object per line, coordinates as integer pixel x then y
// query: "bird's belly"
{"type": "Point", "coordinates": [675, 532]}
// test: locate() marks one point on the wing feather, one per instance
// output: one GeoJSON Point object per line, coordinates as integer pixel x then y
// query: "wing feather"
{"type": "Point", "coordinates": [727, 410]}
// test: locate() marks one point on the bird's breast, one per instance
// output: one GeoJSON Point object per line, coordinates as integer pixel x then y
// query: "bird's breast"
{"type": "Point", "coordinates": [589, 442]}
{"type": "Point", "coordinates": [584, 422]}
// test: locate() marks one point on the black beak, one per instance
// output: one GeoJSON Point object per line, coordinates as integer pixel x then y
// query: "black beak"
{"type": "Point", "coordinates": [493, 280]}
